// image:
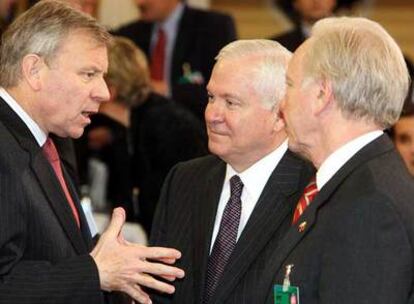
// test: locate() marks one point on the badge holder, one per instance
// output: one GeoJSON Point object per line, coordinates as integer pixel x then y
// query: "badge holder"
{"type": "Point", "coordinates": [286, 294]}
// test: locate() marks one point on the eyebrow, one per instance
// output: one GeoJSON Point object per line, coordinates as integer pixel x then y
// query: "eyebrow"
{"type": "Point", "coordinates": [226, 95]}
{"type": "Point", "coordinates": [232, 96]}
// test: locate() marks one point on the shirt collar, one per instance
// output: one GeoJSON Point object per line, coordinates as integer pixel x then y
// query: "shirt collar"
{"type": "Point", "coordinates": [338, 158]}
{"type": "Point", "coordinates": [34, 128]}
{"type": "Point", "coordinates": [256, 176]}
{"type": "Point", "coordinates": [171, 23]}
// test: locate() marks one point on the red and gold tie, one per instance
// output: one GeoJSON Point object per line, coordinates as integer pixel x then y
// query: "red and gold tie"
{"type": "Point", "coordinates": [308, 195]}
{"type": "Point", "coordinates": [49, 150]}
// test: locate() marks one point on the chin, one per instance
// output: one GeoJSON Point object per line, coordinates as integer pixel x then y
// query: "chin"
{"type": "Point", "coordinates": [215, 149]}
{"type": "Point", "coordinates": [75, 133]}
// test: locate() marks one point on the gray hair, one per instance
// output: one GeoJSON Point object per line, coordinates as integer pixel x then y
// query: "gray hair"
{"type": "Point", "coordinates": [269, 72]}
{"type": "Point", "coordinates": [369, 76]}
{"type": "Point", "coordinates": [41, 30]}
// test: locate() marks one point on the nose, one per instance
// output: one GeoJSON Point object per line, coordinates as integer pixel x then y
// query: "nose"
{"type": "Point", "coordinates": [101, 91]}
{"type": "Point", "coordinates": [213, 112]}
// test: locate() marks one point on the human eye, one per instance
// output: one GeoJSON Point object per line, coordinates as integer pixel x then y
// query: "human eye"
{"type": "Point", "coordinates": [210, 97]}
{"type": "Point", "coordinates": [404, 139]}
{"type": "Point", "coordinates": [231, 103]}
{"type": "Point", "coordinates": [288, 82]}
{"type": "Point", "coordinates": [89, 75]}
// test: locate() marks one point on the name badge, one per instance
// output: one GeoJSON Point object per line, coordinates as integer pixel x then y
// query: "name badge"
{"type": "Point", "coordinates": [290, 296]}
{"type": "Point", "coordinates": [286, 294]}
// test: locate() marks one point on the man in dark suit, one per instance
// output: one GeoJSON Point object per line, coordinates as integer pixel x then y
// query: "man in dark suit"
{"type": "Point", "coordinates": [354, 242]}
{"type": "Point", "coordinates": [303, 14]}
{"type": "Point", "coordinates": [193, 38]}
{"type": "Point", "coordinates": [51, 73]}
{"type": "Point", "coordinates": [247, 138]}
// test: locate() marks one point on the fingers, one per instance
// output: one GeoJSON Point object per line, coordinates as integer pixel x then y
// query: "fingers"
{"type": "Point", "coordinates": [148, 281]}
{"type": "Point", "coordinates": [137, 294]}
{"type": "Point", "coordinates": [167, 260]}
{"type": "Point", "coordinates": [168, 278]}
{"type": "Point", "coordinates": [117, 221]}
{"type": "Point", "coordinates": [161, 270]}
{"type": "Point", "coordinates": [160, 253]}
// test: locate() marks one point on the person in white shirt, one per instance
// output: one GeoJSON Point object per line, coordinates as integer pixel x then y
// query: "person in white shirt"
{"type": "Point", "coordinates": [354, 242]}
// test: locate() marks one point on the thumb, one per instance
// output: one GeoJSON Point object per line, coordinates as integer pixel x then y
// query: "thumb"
{"type": "Point", "coordinates": [117, 221]}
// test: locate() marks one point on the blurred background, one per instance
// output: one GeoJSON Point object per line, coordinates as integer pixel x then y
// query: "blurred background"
{"type": "Point", "coordinates": [255, 18]}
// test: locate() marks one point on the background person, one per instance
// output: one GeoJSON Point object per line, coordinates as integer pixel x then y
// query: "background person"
{"type": "Point", "coordinates": [180, 43]}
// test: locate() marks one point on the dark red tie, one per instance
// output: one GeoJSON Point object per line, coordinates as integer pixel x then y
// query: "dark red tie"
{"type": "Point", "coordinates": [158, 56]}
{"type": "Point", "coordinates": [52, 156]}
{"type": "Point", "coordinates": [308, 195]}
{"type": "Point", "coordinates": [226, 238]}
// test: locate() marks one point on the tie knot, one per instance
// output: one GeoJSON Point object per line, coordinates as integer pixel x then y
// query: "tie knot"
{"type": "Point", "coordinates": [236, 186]}
{"type": "Point", "coordinates": [49, 150]}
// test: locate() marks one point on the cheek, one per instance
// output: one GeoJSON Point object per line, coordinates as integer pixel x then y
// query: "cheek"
{"type": "Point", "coordinates": [403, 148]}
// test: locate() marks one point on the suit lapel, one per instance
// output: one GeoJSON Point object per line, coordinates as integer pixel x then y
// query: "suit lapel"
{"type": "Point", "coordinates": [44, 174]}
{"type": "Point", "coordinates": [65, 149]}
{"type": "Point", "coordinates": [57, 199]}
{"type": "Point", "coordinates": [205, 214]}
{"type": "Point", "coordinates": [269, 214]}
{"type": "Point", "coordinates": [84, 227]}
{"type": "Point", "coordinates": [295, 235]}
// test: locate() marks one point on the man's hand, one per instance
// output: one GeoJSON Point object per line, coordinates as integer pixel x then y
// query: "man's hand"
{"type": "Point", "coordinates": [123, 266]}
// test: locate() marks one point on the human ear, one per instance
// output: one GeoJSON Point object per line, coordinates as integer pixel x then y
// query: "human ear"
{"type": "Point", "coordinates": [31, 66]}
{"type": "Point", "coordinates": [279, 123]}
{"type": "Point", "coordinates": [324, 96]}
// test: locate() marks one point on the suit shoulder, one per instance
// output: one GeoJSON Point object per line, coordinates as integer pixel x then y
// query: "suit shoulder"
{"type": "Point", "coordinates": [290, 39]}
{"type": "Point", "coordinates": [203, 163]}
{"type": "Point", "coordinates": [207, 13]}
{"type": "Point", "coordinates": [131, 29]}
{"type": "Point", "coordinates": [212, 17]}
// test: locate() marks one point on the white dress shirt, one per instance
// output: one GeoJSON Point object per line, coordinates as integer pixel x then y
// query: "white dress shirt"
{"type": "Point", "coordinates": [254, 180]}
{"type": "Point", "coordinates": [37, 132]}
{"type": "Point", "coordinates": [337, 159]}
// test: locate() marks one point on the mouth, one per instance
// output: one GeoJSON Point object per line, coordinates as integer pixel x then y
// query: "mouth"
{"type": "Point", "coordinates": [216, 132]}
{"type": "Point", "coordinates": [87, 115]}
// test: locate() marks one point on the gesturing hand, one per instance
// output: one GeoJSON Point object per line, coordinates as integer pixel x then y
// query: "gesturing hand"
{"type": "Point", "coordinates": [123, 266]}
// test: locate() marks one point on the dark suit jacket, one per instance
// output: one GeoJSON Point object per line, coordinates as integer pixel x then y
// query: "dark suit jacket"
{"type": "Point", "coordinates": [201, 34]}
{"type": "Point", "coordinates": [185, 219]}
{"type": "Point", "coordinates": [163, 134]}
{"type": "Point", "coordinates": [43, 255]}
{"type": "Point", "coordinates": [357, 246]}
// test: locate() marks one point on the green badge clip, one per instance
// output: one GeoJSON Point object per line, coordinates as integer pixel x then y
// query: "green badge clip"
{"type": "Point", "coordinates": [286, 294]}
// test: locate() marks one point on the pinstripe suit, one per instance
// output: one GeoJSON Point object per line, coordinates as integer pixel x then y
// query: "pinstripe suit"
{"type": "Point", "coordinates": [357, 246]}
{"type": "Point", "coordinates": [185, 220]}
{"type": "Point", "coordinates": [43, 255]}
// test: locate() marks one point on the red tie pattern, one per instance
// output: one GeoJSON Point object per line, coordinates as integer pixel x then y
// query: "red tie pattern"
{"type": "Point", "coordinates": [158, 56]}
{"type": "Point", "coordinates": [308, 195]}
{"type": "Point", "coordinates": [49, 150]}
{"type": "Point", "coordinates": [226, 238]}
